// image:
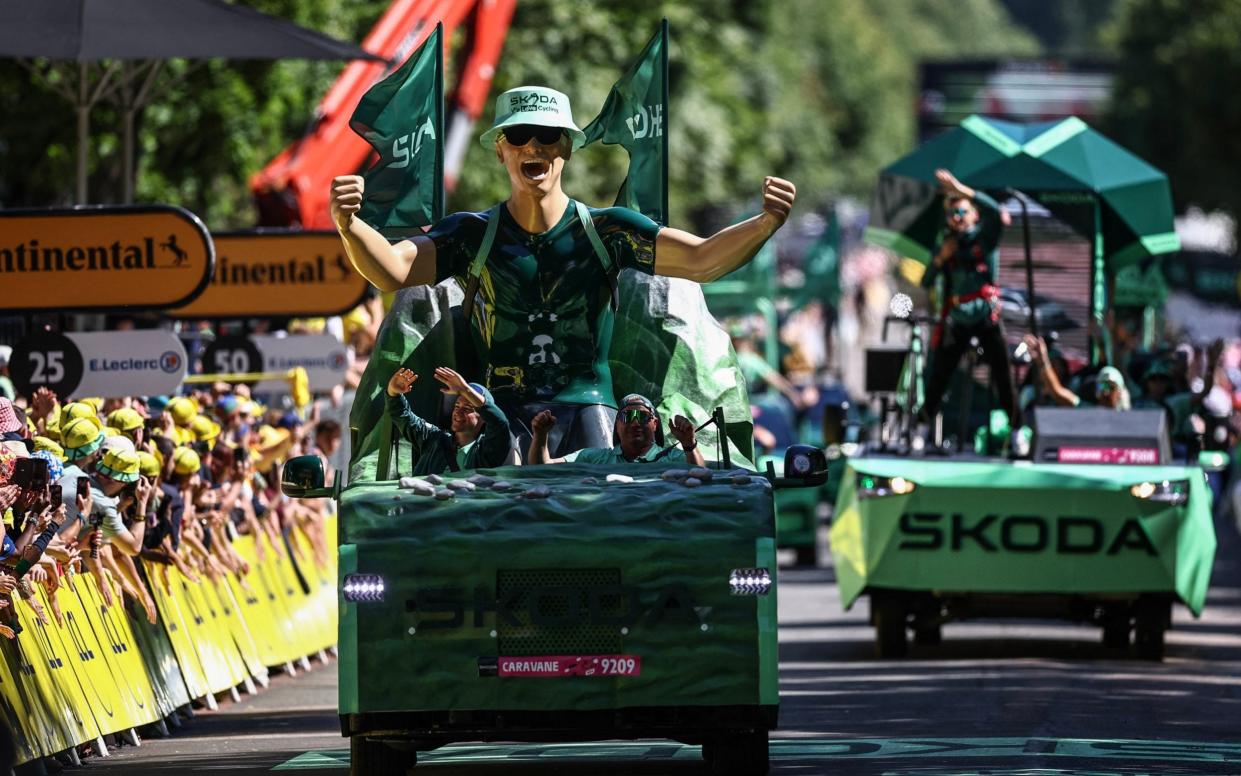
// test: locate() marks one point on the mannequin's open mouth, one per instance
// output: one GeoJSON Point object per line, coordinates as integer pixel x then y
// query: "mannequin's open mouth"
{"type": "Point", "coordinates": [536, 169]}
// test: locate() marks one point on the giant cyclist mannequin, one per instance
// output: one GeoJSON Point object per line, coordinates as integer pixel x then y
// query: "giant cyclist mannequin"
{"type": "Point", "coordinates": [540, 268]}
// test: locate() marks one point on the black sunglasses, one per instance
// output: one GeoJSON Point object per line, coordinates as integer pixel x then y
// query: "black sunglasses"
{"type": "Point", "coordinates": [642, 416]}
{"type": "Point", "coordinates": [521, 134]}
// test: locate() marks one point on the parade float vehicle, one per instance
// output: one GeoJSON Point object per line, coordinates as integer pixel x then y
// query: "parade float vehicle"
{"type": "Point", "coordinates": [1100, 524]}
{"type": "Point", "coordinates": [1100, 527]}
{"type": "Point", "coordinates": [561, 602]}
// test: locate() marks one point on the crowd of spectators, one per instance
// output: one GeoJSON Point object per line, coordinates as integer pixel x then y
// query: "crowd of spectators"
{"type": "Point", "coordinates": [89, 484]}
{"type": "Point", "coordinates": [1197, 387]}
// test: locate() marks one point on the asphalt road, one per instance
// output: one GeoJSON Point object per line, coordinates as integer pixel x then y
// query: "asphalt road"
{"type": "Point", "coordinates": [1007, 697]}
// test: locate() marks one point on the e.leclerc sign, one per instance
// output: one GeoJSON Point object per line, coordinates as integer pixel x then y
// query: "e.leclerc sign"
{"type": "Point", "coordinates": [323, 357]}
{"type": "Point", "coordinates": [278, 273]}
{"type": "Point", "coordinates": [99, 363]}
{"type": "Point", "coordinates": [102, 258]}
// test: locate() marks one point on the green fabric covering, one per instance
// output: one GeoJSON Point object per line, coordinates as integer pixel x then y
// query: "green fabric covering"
{"type": "Point", "coordinates": [874, 544]}
{"type": "Point", "coordinates": [665, 345]}
{"type": "Point", "coordinates": [701, 647]}
{"type": "Point", "coordinates": [612, 455]}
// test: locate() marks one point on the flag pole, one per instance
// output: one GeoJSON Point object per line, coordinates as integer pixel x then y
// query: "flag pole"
{"type": "Point", "coordinates": [667, 120]}
{"type": "Point", "coordinates": [437, 207]}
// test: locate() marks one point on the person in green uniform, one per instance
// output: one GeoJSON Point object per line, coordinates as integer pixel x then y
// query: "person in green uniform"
{"type": "Point", "coordinates": [539, 269]}
{"type": "Point", "coordinates": [639, 438]}
{"type": "Point", "coordinates": [967, 258]}
{"type": "Point", "coordinates": [479, 435]}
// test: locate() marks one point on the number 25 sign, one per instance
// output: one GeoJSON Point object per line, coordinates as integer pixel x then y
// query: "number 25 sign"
{"type": "Point", "coordinates": [101, 363]}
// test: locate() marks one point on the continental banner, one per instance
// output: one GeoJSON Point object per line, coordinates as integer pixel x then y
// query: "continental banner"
{"type": "Point", "coordinates": [102, 258]}
{"type": "Point", "coordinates": [265, 273]}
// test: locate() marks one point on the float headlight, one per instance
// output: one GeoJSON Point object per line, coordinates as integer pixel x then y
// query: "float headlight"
{"type": "Point", "coordinates": [749, 581]}
{"type": "Point", "coordinates": [871, 486]}
{"type": "Point", "coordinates": [363, 587]}
{"type": "Point", "coordinates": [1173, 492]}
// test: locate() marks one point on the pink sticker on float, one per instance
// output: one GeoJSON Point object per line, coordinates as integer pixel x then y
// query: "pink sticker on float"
{"type": "Point", "coordinates": [569, 665]}
{"type": "Point", "coordinates": [1140, 456]}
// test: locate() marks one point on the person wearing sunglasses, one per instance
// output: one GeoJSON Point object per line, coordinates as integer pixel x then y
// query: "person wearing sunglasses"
{"type": "Point", "coordinates": [967, 257]}
{"type": "Point", "coordinates": [638, 434]}
{"type": "Point", "coordinates": [540, 269]}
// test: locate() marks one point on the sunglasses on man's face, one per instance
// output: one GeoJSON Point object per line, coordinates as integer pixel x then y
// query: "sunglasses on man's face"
{"type": "Point", "coordinates": [959, 212]}
{"type": "Point", "coordinates": [637, 416]}
{"type": "Point", "coordinates": [522, 134]}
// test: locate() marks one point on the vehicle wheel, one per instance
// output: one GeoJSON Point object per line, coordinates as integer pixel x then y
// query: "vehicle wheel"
{"type": "Point", "coordinates": [807, 556]}
{"type": "Point", "coordinates": [742, 753]}
{"type": "Point", "coordinates": [376, 758]}
{"type": "Point", "coordinates": [927, 635]}
{"type": "Point", "coordinates": [888, 614]}
{"type": "Point", "coordinates": [1116, 633]}
{"type": "Point", "coordinates": [1149, 642]}
{"type": "Point", "coordinates": [1151, 620]}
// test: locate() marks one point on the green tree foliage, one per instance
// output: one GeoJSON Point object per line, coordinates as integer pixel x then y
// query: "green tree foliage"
{"type": "Point", "coordinates": [1065, 27]}
{"type": "Point", "coordinates": [213, 125]}
{"type": "Point", "coordinates": [818, 91]}
{"type": "Point", "coordinates": [1171, 103]}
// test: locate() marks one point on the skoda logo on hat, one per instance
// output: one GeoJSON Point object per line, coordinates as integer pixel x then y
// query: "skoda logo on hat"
{"type": "Point", "coordinates": [170, 362]}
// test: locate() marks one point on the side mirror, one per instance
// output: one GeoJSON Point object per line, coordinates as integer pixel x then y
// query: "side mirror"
{"type": "Point", "coordinates": [804, 466]}
{"type": "Point", "coordinates": [1213, 460]}
{"type": "Point", "coordinates": [303, 478]}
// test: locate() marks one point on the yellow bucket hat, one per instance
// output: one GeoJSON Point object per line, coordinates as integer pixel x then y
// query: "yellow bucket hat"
{"type": "Point", "coordinates": [126, 419]}
{"type": "Point", "coordinates": [81, 437]}
{"type": "Point", "coordinates": [205, 429]}
{"type": "Point", "coordinates": [148, 465]}
{"type": "Point", "coordinates": [52, 428]}
{"type": "Point", "coordinates": [186, 461]}
{"type": "Point", "coordinates": [120, 465]}
{"type": "Point", "coordinates": [182, 410]}
{"type": "Point", "coordinates": [45, 443]}
{"type": "Point", "coordinates": [74, 410]}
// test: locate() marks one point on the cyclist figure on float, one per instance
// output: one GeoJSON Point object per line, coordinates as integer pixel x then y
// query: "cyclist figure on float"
{"type": "Point", "coordinates": [539, 269]}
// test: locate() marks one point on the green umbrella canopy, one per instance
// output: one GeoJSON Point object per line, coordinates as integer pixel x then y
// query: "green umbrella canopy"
{"type": "Point", "coordinates": [1059, 164]}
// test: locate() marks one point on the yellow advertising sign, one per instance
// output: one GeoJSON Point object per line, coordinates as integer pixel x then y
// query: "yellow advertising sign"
{"type": "Point", "coordinates": [102, 258]}
{"type": "Point", "coordinates": [278, 273]}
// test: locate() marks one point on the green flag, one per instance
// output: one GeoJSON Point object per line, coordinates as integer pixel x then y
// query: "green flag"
{"type": "Point", "coordinates": [402, 117]}
{"type": "Point", "coordinates": [821, 267]}
{"type": "Point", "coordinates": [635, 115]}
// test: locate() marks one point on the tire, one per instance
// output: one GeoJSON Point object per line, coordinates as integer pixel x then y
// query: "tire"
{"type": "Point", "coordinates": [739, 753]}
{"type": "Point", "coordinates": [1116, 634]}
{"type": "Point", "coordinates": [1152, 616]}
{"type": "Point", "coordinates": [376, 758]}
{"type": "Point", "coordinates": [928, 635]}
{"type": "Point", "coordinates": [1151, 619]}
{"type": "Point", "coordinates": [807, 556]}
{"type": "Point", "coordinates": [889, 616]}
{"type": "Point", "coordinates": [1149, 642]}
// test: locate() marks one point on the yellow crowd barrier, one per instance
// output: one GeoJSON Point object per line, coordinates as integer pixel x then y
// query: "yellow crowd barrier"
{"type": "Point", "coordinates": [94, 669]}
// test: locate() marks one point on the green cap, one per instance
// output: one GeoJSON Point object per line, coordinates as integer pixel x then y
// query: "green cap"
{"type": "Point", "coordinates": [1110, 375]}
{"type": "Point", "coordinates": [536, 105]}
